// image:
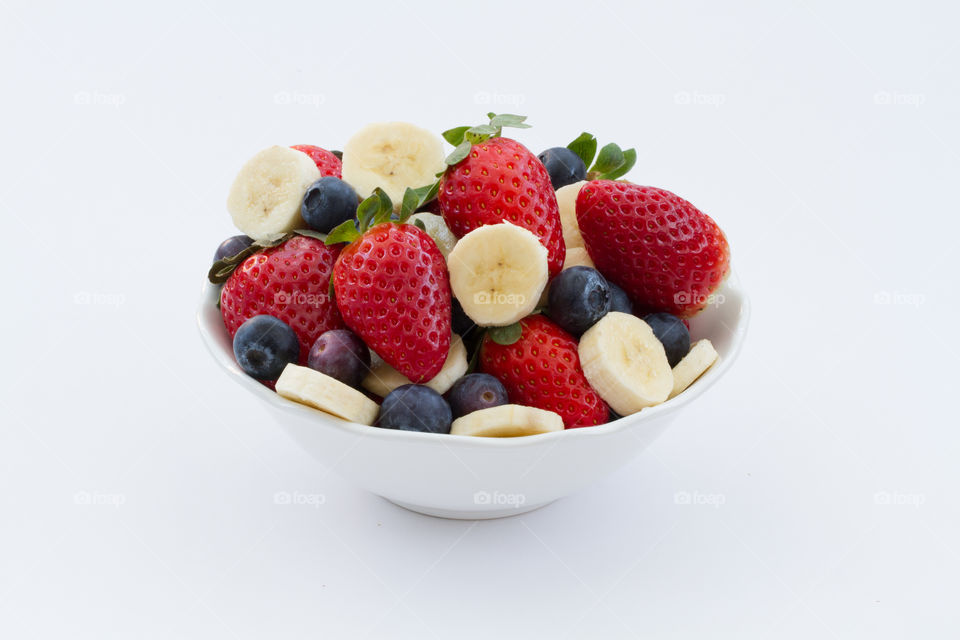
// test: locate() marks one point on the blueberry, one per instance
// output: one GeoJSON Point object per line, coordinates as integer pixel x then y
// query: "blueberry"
{"type": "Point", "coordinates": [619, 300]}
{"type": "Point", "coordinates": [263, 346]}
{"type": "Point", "coordinates": [476, 391]}
{"type": "Point", "coordinates": [414, 407]}
{"type": "Point", "coordinates": [672, 333]}
{"type": "Point", "coordinates": [340, 354]}
{"type": "Point", "coordinates": [564, 166]}
{"type": "Point", "coordinates": [578, 298]}
{"type": "Point", "coordinates": [327, 203]}
{"type": "Point", "coordinates": [232, 246]}
{"type": "Point", "coordinates": [461, 322]}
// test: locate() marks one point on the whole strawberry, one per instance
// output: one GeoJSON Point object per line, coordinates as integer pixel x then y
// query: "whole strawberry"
{"type": "Point", "coordinates": [328, 163]}
{"type": "Point", "coordinates": [392, 288]}
{"type": "Point", "coordinates": [664, 252]}
{"type": "Point", "coordinates": [542, 369]}
{"type": "Point", "coordinates": [495, 179]}
{"type": "Point", "coordinates": [290, 282]}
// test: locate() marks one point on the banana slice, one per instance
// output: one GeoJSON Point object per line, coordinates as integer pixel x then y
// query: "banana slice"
{"type": "Point", "coordinates": [320, 391]}
{"type": "Point", "coordinates": [265, 198]}
{"type": "Point", "coordinates": [625, 363]}
{"type": "Point", "coordinates": [507, 421]}
{"type": "Point", "coordinates": [392, 156]}
{"type": "Point", "coordinates": [701, 357]}
{"type": "Point", "coordinates": [567, 201]}
{"type": "Point", "coordinates": [383, 378]}
{"type": "Point", "coordinates": [578, 257]}
{"type": "Point", "coordinates": [437, 229]}
{"type": "Point", "coordinates": [498, 272]}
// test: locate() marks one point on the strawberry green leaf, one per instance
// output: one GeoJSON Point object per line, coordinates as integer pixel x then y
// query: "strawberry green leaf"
{"type": "Point", "coordinates": [419, 224]}
{"type": "Point", "coordinates": [384, 206]}
{"type": "Point", "coordinates": [609, 158]}
{"type": "Point", "coordinates": [337, 153]}
{"type": "Point", "coordinates": [330, 290]}
{"type": "Point", "coordinates": [508, 120]}
{"type": "Point", "coordinates": [367, 210]}
{"type": "Point", "coordinates": [454, 136]}
{"type": "Point", "coordinates": [413, 199]}
{"type": "Point", "coordinates": [458, 154]}
{"type": "Point", "coordinates": [345, 232]}
{"type": "Point", "coordinates": [585, 146]}
{"type": "Point", "coordinates": [310, 233]}
{"type": "Point", "coordinates": [505, 335]}
{"type": "Point", "coordinates": [629, 159]}
{"type": "Point", "coordinates": [222, 269]}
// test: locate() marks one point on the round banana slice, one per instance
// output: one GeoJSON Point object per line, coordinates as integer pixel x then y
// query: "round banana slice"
{"type": "Point", "coordinates": [567, 201]}
{"type": "Point", "coordinates": [625, 363]}
{"type": "Point", "coordinates": [266, 195]}
{"type": "Point", "coordinates": [507, 421]}
{"type": "Point", "coordinates": [320, 391]}
{"type": "Point", "coordinates": [383, 378]}
{"type": "Point", "coordinates": [701, 357]}
{"type": "Point", "coordinates": [498, 272]}
{"type": "Point", "coordinates": [437, 229]}
{"type": "Point", "coordinates": [392, 156]}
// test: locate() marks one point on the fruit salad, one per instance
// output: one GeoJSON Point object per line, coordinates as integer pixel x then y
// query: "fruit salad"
{"type": "Point", "coordinates": [483, 291]}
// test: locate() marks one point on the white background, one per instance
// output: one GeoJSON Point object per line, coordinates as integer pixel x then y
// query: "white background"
{"type": "Point", "coordinates": [137, 483]}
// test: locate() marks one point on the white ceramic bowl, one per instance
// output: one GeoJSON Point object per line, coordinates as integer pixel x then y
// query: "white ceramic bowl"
{"type": "Point", "coordinates": [470, 477]}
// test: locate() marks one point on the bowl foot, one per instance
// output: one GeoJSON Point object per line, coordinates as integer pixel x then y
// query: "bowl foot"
{"type": "Point", "coordinates": [477, 514]}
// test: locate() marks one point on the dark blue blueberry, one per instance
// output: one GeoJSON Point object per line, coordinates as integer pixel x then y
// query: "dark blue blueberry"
{"type": "Point", "coordinates": [476, 391]}
{"type": "Point", "coordinates": [672, 333]}
{"type": "Point", "coordinates": [461, 322]}
{"type": "Point", "coordinates": [340, 354]}
{"type": "Point", "coordinates": [564, 166]}
{"type": "Point", "coordinates": [263, 346]}
{"type": "Point", "coordinates": [232, 246]}
{"type": "Point", "coordinates": [327, 203]}
{"type": "Point", "coordinates": [578, 298]}
{"type": "Point", "coordinates": [619, 300]}
{"type": "Point", "coordinates": [414, 407]}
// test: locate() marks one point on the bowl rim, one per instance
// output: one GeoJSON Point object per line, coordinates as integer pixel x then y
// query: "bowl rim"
{"type": "Point", "coordinates": [210, 296]}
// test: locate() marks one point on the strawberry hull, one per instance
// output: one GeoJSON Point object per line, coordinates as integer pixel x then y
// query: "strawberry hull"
{"type": "Point", "coordinates": [664, 252]}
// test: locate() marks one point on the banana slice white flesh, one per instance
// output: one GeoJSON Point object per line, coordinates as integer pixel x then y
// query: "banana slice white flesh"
{"type": "Point", "coordinates": [392, 156]}
{"type": "Point", "coordinates": [498, 272]}
{"type": "Point", "coordinates": [266, 195]}
{"type": "Point", "coordinates": [507, 421]}
{"type": "Point", "coordinates": [578, 257]}
{"type": "Point", "coordinates": [625, 363]}
{"type": "Point", "coordinates": [320, 391]}
{"type": "Point", "coordinates": [701, 357]}
{"type": "Point", "coordinates": [383, 378]}
{"type": "Point", "coordinates": [567, 201]}
{"type": "Point", "coordinates": [437, 229]}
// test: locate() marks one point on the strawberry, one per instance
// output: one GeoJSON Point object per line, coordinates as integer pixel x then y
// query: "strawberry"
{"type": "Point", "coordinates": [664, 252]}
{"type": "Point", "coordinates": [328, 163]}
{"type": "Point", "coordinates": [496, 179]}
{"type": "Point", "coordinates": [542, 369]}
{"type": "Point", "coordinates": [392, 288]}
{"type": "Point", "coordinates": [290, 282]}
